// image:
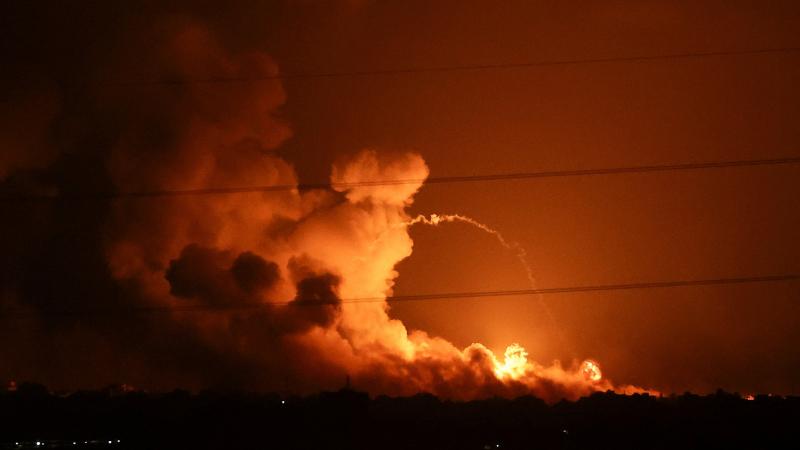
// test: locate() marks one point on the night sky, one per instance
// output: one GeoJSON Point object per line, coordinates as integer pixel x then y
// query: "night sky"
{"type": "Point", "coordinates": [103, 98]}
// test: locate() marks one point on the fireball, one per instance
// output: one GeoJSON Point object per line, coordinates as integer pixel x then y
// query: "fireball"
{"type": "Point", "coordinates": [515, 363]}
{"type": "Point", "coordinates": [591, 370]}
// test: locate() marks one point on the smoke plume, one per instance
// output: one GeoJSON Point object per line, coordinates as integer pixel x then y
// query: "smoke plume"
{"type": "Point", "coordinates": [248, 290]}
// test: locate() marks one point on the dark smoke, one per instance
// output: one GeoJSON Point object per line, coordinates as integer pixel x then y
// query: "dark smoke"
{"type": "Point", "coordinates": [70, 126]}
{"type": "Point", "coordinates": [214, 277]}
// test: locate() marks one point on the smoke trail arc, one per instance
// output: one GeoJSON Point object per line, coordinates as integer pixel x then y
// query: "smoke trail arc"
{"type": "Point", "coordinates": [515, 247]}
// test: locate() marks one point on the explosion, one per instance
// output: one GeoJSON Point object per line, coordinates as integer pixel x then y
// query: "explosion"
{"type": "Point", "coordinates": [237, 259]}
{"type": "Point", "coordinates": [515, 364]}
{"type": "Point", "coordinates": [591, 370]}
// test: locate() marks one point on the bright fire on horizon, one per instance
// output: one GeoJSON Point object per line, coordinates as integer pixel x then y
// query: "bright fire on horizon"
{"type": "Point", "coordinates": [591, 370]}
{"type": "Point", "coordinates": [515, 365]}
{"type": "Point", "coordinates": [228, 254]}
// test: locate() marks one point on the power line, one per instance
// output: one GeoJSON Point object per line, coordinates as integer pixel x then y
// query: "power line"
{"type": "Point", "coordinates": [427, 181]}
{"type": "Point", "coordinates": [445, 69]}
{"type": "Point", "coordinates": [460, 68]}
{"type": "Point", "coordinates": [406, 298]}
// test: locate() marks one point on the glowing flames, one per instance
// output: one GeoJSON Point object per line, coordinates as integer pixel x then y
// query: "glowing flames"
{"type": "Point", "coordinates": [515, 369]}
{"type": "Point", "coordinates": [515, 366]}
{"type": "Point", "coordinates": [515, 363]}
{"type": "Point", "coordinates": [591, 370]}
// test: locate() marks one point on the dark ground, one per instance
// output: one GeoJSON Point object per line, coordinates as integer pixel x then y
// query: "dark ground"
{"type": "Point", "coordinates": [351, 420]}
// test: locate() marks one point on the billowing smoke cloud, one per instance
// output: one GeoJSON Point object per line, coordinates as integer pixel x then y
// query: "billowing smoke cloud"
{"type": "Point", "coordinates": [252, 290]}
{"type": "Point", "coordinates": [216, 278]}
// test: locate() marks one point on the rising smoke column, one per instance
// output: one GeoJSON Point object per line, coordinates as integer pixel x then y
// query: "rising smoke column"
{"type": "Point", "coordinates": [222, 268]}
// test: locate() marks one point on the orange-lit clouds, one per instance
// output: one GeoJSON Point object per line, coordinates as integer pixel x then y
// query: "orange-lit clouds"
{"type": "Point", "coordinates": [230, 256]}
{"type": "Point", "coordinates": [315, 246]}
